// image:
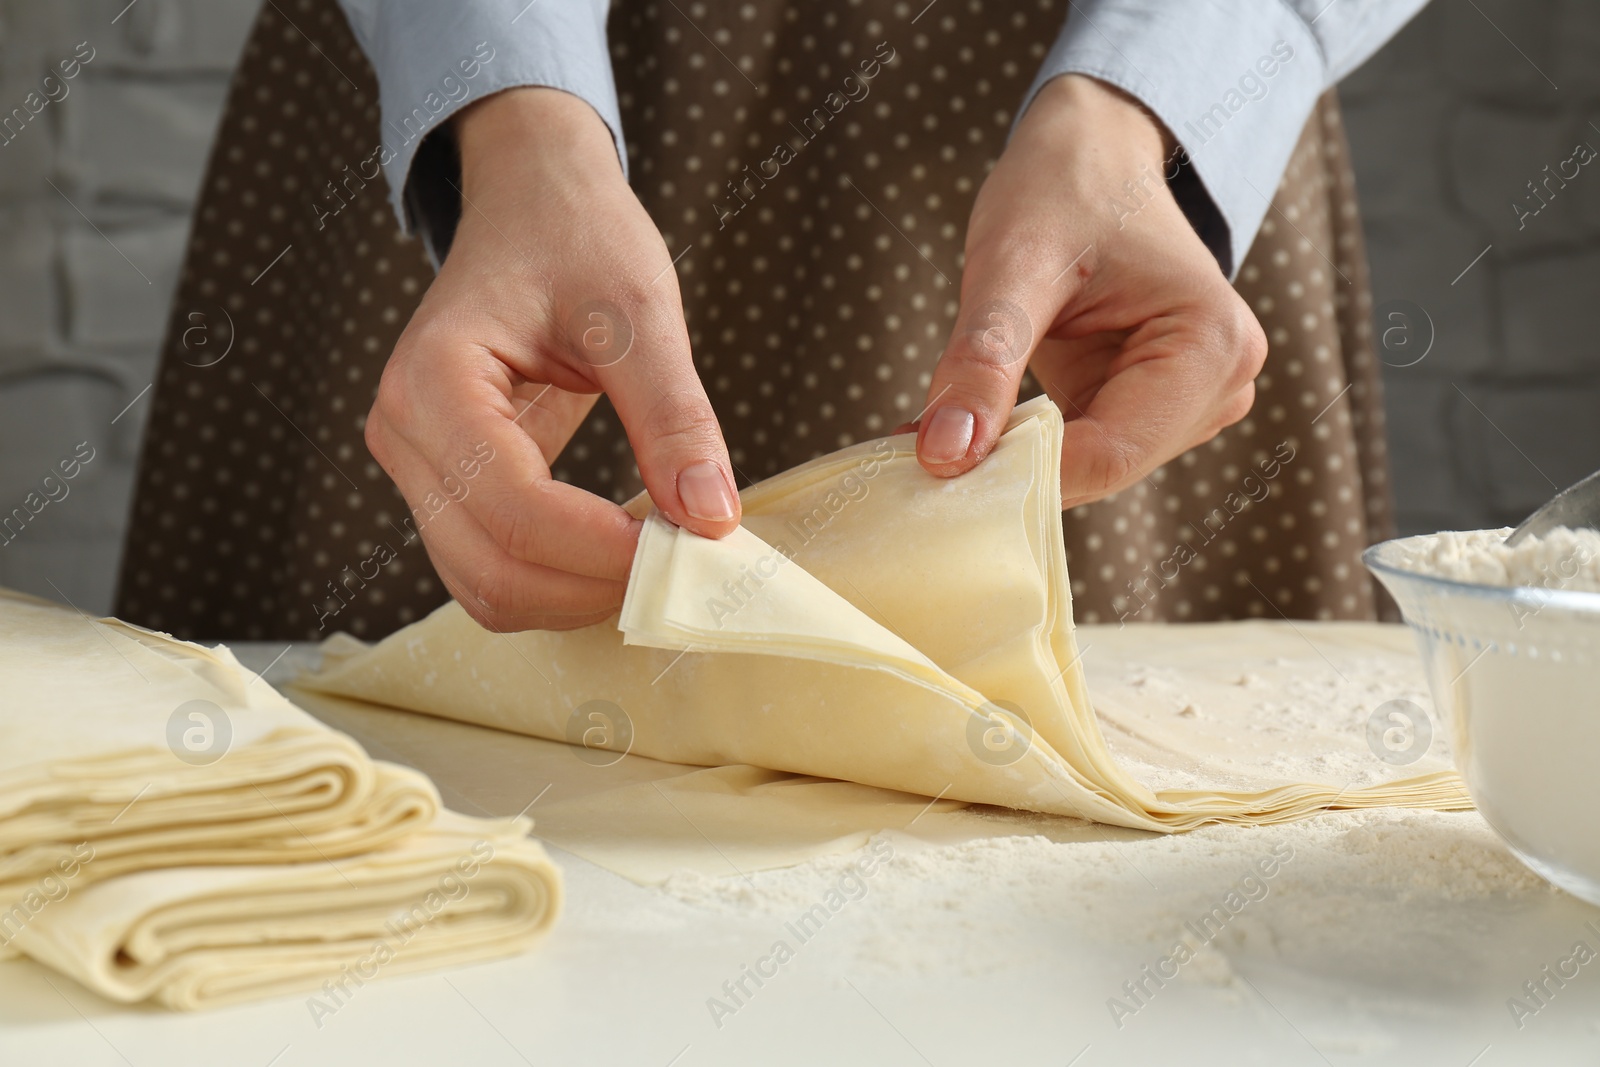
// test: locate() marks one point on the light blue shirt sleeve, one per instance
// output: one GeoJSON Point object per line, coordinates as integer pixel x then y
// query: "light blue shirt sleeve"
{"type": "Point", "coordinates": [432, 58]}
{"type": "Point", "coordinates": [1233, 80]}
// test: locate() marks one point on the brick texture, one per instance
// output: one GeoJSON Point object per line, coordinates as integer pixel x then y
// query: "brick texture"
{"type": "Point", "coordinates": [1447, 127]}
{"type": "Point", "coordinates": [95, 196]}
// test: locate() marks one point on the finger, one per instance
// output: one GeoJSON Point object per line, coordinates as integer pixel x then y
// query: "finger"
{"type": "Point", "coordinates": [550, 415]}
{"type": "Point", "coordinates": [1072, 370]}
{"type": "Point", "coordinates": [663, 406]}
{"type": "Point", "coordinates": [1148, 411]}
{"type": "Point", "coordinates": [486, 577]}
{"type": "Point", "coordinates": [498, 471]}
{"type": "Point", "coordinates": [1236, 408]}
{"type": "Point", "coordinates": [503, 483]}
{"type": "Point", "coordinates": [505, 622]}
{"type": "Point", "coordinates": [512, 587]}
{"type": "Point", "coordinates": [1231, 411]}
{"type": "Point", "coordinates": [1009, 301]}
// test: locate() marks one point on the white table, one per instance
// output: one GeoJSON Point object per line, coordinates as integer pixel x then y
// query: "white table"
{"type": "Point", "coordinates": [1395, 974]}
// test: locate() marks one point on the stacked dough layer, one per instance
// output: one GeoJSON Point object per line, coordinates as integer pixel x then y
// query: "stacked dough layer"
{"type": "Point", "coordinates": [868, 623]}
{"type": "Point", "coordinates": [172, 828]}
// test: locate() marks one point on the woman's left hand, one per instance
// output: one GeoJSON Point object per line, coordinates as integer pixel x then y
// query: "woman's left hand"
{"type": "Point", "coordinates": [1080, 264]}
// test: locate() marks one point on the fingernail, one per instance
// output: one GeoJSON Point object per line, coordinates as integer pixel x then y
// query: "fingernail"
{"type": "Point", "coordinates": [949, 436]}
{"type": "Point", "coordinates": [705, 492]}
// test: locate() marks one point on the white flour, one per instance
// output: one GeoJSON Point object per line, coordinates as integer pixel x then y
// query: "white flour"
{"type": "Point", "coordinates": [1271, 705]}
{"type": "Point", "coordinates": [1561, 559]}
{"type": "Point", "coordinates": [1389, 851]}
{"type": "Point", "coordinates": [1371, 882]}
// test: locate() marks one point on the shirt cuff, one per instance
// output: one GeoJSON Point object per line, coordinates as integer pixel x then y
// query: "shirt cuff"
{"type": "Point", "coordinates": [1233, 80]}
{"type": "Point", "coordinates": [433, 59]}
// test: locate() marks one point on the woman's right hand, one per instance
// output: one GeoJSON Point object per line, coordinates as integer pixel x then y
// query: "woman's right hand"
{"type": "Point", "coordinates": [557, 287]}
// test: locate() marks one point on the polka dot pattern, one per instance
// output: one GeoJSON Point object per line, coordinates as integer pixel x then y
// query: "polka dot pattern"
{"type": "Point", "coordinates": [819, 286]}
{"type": "Point", "coordinates": [257, 509]}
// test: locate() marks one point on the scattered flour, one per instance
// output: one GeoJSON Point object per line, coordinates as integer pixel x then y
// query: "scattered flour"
{"type": "Point", "coordinates": [1391, 851]}
{"type": "Point", "coordinates": [1355, 885]}
{"type": "Point", "coordinates": [1561, 559]}
{"type": "Point", "coordinates": [1272, 705]}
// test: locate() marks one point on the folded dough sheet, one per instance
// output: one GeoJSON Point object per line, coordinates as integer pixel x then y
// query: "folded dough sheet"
{"type": "Point", "coordinates": [868, 623]}
{"type": "Point", "coordinates": [173, 828]}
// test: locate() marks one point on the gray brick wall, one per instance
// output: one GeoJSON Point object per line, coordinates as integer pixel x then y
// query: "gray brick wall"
{"type": "Point", "coordinates": [1447, 125]}
{"type": "Point", "coordinates": [95, 195]}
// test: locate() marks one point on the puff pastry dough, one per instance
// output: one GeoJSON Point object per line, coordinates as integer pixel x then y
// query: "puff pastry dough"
{"type": "Point", "coordinates": [869, 623]}
{"type": "Point", "coordinates": [285, 861]}
{"type": "Point", "coordinates": [460, 890]}
{"type": "Point", "coordinates": [86, 759]}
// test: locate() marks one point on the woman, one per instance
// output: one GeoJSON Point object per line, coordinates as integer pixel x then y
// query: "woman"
{"type": "Point", "coordinates": [785, 274]}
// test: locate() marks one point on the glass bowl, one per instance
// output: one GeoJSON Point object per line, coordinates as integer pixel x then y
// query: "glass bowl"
{"type": "Point", "coordinates": [1515, 674]}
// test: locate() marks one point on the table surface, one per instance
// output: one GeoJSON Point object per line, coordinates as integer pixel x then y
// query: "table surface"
{"type": "Point", "coordinates": [1406, 973]}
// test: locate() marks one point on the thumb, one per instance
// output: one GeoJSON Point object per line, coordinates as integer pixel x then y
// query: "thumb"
{"type": "Point", "coordinates": [670, 424]}
{"type": "Point", "coordinates": [1005, 311]}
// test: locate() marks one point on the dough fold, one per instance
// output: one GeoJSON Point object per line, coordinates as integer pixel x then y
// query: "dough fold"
{"type": "Point", "coordinates": [145, 751]}
{"type": "Point", "coordinates": [868, 623]}
{"type": "Point", "coordinates": [460, 890]}
{"type": "Point", "coordinates": [172, 828]}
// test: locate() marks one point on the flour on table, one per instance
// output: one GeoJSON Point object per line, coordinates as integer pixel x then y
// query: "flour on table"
{"type": "Point", "coordinates": [1561, 559]}
{"type": "Point", "coordinates": [1392, 851]}
{"type": "Point", "coordinates": [1345, 875]}
{"type": "Point", "coordinates": [1267, 704]}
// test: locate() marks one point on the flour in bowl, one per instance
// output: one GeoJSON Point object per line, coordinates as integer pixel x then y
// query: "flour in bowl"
{"type": "Point", "coordinates": [1561, 559]}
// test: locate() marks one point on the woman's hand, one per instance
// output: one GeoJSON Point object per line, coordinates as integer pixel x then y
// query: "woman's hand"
{"type": "Point", "coordinates": [1080, 263]}
{"type": "Point", "coordinates": [557, 287]}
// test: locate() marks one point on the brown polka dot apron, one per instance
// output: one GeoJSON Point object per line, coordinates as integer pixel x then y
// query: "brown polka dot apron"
{"type": "Point", "coordinates": [818, 294]}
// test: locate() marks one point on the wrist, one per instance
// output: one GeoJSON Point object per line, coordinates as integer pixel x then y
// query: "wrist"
{"type": "Point", "coordinates": [1076, 105]}
{"type": "Point", "coordinates": [533, 127]}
